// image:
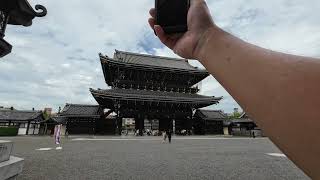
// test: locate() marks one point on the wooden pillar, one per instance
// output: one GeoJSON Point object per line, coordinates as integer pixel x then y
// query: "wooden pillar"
{"type": "Point", "coordinates": [45, 129]}
{"type": "Point", "coordinates": [141, 125]}
{"type": "Point", "coordinates": [165, 124]}
{"type": "Point", "coordinates": [136, 123]}
{"type": "Point", "coordinates": [190, 121]}
{"type": "Point", "coordinates": [188, 124]}
{"type": "Point", "coordinates": [161, 124]}
{"type": "Point", "coordinates": [119, 125]}
{"type": "Point", "coordinates": [170, 124]}
{"type": "Point", "coordinates": [67, 127]}
{"type": "Point", "coordinates": [34, 128]}
{"type": "Point", "coordinates": [28, 126]}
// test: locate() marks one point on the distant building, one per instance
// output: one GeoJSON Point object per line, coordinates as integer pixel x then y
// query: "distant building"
{"type": "Point", "coordinates": [28, 122]}
{"type": "Point", "coordinates": [82, 119]}
{"type": "Point", "coordinates": [209, 122]}
{"type": "Point", "coordinates": [243, 126]}
{"type": "Point", "coordinates": [47, 126]}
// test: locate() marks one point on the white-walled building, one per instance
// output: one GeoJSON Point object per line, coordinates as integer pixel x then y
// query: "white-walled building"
{"type": "Point", "coordinates": [28, 122]}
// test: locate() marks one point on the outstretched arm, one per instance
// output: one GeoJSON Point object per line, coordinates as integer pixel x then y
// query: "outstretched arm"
{"type": "Point", "coordinates": [279, 91]}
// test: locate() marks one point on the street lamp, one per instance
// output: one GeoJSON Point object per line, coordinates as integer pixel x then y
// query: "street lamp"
{"type": "Point", "coordinates": [16, 12]}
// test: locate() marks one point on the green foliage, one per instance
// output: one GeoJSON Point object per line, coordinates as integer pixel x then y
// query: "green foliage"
{"type": "Point", "coordinates": [8, 131]}
{"type": "Point", "coordinates": [46, 116]}
{"type": "Point", "coordinates": [235, 115]}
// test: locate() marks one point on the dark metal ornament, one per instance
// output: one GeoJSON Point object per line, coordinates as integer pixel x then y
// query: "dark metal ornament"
{"type": "Point", "coordinates": [16, 12]}
{"type": "Point", "coordinates": [5, 47]}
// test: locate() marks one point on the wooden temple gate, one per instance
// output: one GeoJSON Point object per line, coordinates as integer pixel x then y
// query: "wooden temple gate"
{"type": "Point", "coordinates": [151, 87]}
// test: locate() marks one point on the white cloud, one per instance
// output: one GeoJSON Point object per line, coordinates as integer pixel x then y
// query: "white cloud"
{"type": "Point", "coordinates": [282, 25]}
{"type": "Point", "coordinates": [55, 61]}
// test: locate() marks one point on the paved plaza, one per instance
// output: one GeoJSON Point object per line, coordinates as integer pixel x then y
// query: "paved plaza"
{"type": "Point", "coordinates": [192, 157]}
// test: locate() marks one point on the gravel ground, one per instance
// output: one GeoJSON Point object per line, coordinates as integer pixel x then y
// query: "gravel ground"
{"type": "Point", "coordinates": [147, 158]}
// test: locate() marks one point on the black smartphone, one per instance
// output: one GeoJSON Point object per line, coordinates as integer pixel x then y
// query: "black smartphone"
{"type": "Point", "coordinates": [172, 15]}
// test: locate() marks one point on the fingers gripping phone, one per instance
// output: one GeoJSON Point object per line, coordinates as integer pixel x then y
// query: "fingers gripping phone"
{"type": "Point", "coordinates": [172, 15]}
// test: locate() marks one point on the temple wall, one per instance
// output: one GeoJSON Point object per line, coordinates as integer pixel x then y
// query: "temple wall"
{"type": "Point", "coordinates": [226, 131]}
{"type": "Point", "coordinates": [22, 131]}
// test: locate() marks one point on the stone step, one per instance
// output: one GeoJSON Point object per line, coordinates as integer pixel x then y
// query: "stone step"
{"type": "Point", "coordinates": [5, 150]}
{"type": "Point", "coordinates": [11, 169]}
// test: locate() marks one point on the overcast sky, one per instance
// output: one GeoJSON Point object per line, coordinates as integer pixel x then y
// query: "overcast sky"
{"type": "Point", "coordinates": [56, 61]}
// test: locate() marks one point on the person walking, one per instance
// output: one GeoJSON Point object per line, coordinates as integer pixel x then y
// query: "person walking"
{"type": "Point", "coordinates": [259, 80]}
{"type": "Point", "coordinates": [57, 136]}
{"type": "Point", "coordinates": [164, 136]}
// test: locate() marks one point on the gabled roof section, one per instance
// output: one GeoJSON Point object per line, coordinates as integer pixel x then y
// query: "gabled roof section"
{"type": "Point", "coordinates": [23, 116]}
{"type": "Point", "coordinates": [80, 110]}
{"type": "Point", "coordinates": [211, 114]}
{"type": "Point", "coordinates": [105, 96]}
{"type": "Point", "coordinates": [131, 94]}
{"type": "Point", "coordinates": [55, 120]}
{"type": "Point", "coordinates": [244, 115]}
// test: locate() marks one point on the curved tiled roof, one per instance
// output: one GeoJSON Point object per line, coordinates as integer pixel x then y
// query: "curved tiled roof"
{"type": "Point", "coordinates": [80, 110]}
{"type": "Point", "coordinates": [155, 96]}
{"type": "Point", "coordinates": [151, 62]}
{"type": "Point", "coordinates": [211, 114]}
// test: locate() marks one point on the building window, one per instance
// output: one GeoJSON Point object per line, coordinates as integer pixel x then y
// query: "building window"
{"type": "Point", "coordinates": [22, 125]}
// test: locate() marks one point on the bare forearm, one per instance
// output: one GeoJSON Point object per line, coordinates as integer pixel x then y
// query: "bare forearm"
{"type": "Point", "coordinates": [277, 90]}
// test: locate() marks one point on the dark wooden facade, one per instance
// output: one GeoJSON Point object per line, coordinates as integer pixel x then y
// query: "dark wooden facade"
{"type": "Point", "coordinates": [243, 126]}
{"type": "Point", "coordinates": [81, 119]}
{"type": "Point", "coordinates": [209, 122]}
{"type": "Point", "coordinates": [152, 87]}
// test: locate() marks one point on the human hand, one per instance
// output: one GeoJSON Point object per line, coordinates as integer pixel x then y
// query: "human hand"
{"type": "Point", "coordinates": [187, 45]}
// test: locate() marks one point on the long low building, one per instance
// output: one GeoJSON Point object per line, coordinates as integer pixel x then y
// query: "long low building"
{"type": "Point", "coordinates": [28, 122]}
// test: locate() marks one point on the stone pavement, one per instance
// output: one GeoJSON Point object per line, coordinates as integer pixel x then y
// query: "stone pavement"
{"type": "Point", "coordinates": [189, 157]}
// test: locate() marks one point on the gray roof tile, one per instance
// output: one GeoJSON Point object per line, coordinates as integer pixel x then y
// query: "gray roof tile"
{"type": "Point", "coordinates": [80, 110]}
{"type": "Point", "coordinates": [211, 114]}
{"type": "Point", "coordinates": [242, 120]}
{"type": "Point", "coordinates": [146, 95]}
{"type": "Point", "coordinates": [149, 60]}
{"type": "Point", "coordinates": [16, 115]}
